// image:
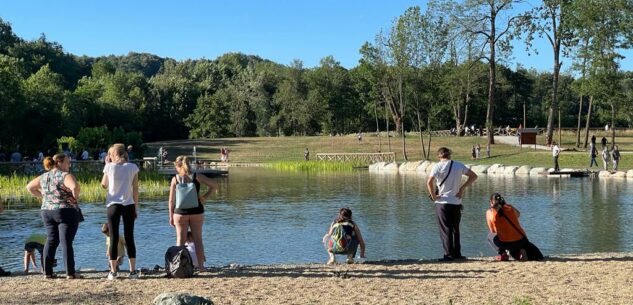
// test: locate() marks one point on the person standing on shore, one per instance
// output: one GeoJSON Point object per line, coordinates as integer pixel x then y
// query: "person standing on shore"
{"type": "Point", "coordinates": [120, 178]}
{"type": "Point", "coordinates": [555, 154]}
{"type": "Point", "coordinates": [59, 191]}
{"type": "Point", "coordinates": [593, 153]}
{"type": "Point", "coordinates": [445, 189]}
{"type": "Point", "coordinates": [306, 154]}
{"type": "Point", "coordinates": [615, 156]}
{"type": "Point", "coordinates": [605, 158]}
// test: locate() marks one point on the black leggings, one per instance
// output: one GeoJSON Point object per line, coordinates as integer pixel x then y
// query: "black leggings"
{"type": "Point", "coordinates": [115, 212]}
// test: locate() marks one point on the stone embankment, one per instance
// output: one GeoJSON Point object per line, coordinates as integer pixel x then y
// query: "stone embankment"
{"type": "Point", "coordinates": [424, 168]}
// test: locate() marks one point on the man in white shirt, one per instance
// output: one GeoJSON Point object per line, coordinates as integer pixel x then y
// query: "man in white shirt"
{"type": "Point", "coordinates": [445, 189]}
{"type": "Point", "coordinates": [555, 153]}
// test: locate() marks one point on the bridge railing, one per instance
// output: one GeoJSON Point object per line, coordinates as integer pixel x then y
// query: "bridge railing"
{"type": "Point", "coordinates": [357, 157]}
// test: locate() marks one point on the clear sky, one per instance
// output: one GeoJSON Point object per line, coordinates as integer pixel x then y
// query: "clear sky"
{"type": "Point", "coordinates": [279, 30]}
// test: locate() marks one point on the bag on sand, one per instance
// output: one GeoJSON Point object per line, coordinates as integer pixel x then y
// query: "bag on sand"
{"type": "Point", "coordinates": [178, 263]}
{"type": "Point", "coordinates": [533, 252]}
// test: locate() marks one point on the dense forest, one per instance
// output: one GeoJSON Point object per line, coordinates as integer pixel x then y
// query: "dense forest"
{"type": "Point", "coordinates": [429, 70]}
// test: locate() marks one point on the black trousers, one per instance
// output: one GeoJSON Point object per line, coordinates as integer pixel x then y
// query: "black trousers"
{"type": "Point", "coordinates": [61, 227]}
{"type": "Point", "coordinates": [115, 213]}
{"type": "Point", "coordinates": [556, 167]}
{"type": "Point", "coordinates": [448, 217]}
{"type": "Point", "coordinates": [501, 246]}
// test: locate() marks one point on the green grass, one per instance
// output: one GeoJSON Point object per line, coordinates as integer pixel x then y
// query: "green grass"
{"type": "Point", "coordinates": [275, 149]}
{"type": "Point", "coordinates": [13, 188]}
{"type": "Point", "coordinates": [314, 166]}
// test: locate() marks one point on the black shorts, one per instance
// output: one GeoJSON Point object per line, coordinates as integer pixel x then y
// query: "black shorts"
{"type": "Point", "coordinates": [32, 246]}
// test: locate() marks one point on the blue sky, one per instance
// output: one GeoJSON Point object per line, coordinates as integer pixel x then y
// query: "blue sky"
{"type": "Point", "coordinates": [279, 30]}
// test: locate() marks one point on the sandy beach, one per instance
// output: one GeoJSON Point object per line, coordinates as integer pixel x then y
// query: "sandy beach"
{"type": "Point", "coordinates": [604, 278]}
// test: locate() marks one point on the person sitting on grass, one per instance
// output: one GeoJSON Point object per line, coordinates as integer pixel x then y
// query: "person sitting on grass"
{"type": "Point", "coordinates": [506, 234]}
{"type": "Point", "coordinates": [344, 237]}
{"type": "Point", "coordinates": [120, 246]}
{"type": "Point", "coordinates": [32, 243]}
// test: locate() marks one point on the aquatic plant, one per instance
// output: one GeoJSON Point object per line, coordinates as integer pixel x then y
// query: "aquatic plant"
{"type": "Point", "coordinates": [314, 166]}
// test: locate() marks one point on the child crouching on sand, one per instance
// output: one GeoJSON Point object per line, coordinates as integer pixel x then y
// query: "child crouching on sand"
{"type": "Point", "coordinates": [32, 243]}
{"type": "Point", "coordinates": [120, 247]}
{"type": "Point", "coordinates": [344, 237]}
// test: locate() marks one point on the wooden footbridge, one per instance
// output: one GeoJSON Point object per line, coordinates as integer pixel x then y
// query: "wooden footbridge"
{"type": "Point", "coordinates": [357, 157]}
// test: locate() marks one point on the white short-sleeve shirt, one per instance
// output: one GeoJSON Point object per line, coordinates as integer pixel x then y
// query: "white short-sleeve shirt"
{"type": "Point", "coordinates": [120, 178]}
{"type": "Point", "coordinates": [449, 189]}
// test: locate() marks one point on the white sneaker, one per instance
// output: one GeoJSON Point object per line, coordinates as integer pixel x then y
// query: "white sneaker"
{"type": "Point", "coordinates": [133, 275]}
{"type": "Point", "coordinates": [112, 276]}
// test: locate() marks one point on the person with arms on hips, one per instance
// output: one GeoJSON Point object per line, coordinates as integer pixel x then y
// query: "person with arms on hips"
{"type": "Point", "coordinates": [186, 205]}
{"type": "Point", "coordinates": [59, 191]}
{"type": "Point", "coordinates": [120, 178]}
{"type": "Point", "coordinates": [343, 237]}
{"type": "Point", "coordinates": [555, 154]}
{"type": "Point", "coordinates": [445, 189]}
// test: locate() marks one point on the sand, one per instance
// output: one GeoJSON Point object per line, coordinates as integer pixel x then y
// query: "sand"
{"type": "Point", "coordinates": [603, 278]}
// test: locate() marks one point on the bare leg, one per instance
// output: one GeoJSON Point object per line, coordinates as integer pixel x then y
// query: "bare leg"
{"type": "Point", "coordinates": [195, 223]}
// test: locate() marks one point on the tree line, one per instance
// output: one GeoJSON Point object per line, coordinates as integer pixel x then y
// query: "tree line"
{"type": "Point", "coordinates": [442, 67]}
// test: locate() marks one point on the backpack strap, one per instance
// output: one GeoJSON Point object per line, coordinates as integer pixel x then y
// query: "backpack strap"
{"type": "Point", "coordinates": [511, 223]}
{"type": "Point", "coordinates": [450, 167]}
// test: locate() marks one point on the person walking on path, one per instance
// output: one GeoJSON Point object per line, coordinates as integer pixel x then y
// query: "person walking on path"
{"type": "Point", "coordinates": [120, 178]}
{"type": "Point", "coordinates": [615, 157]}
{"type": "Point", "coordinates": [555, 154]}
{"type": "Point", "coordinates": [604, 142]}
{"type": "Point", "coordinates": [593, 153]}
{"type": "Point", "coordinates": [445, 189]}
{"type": "Point", "coordinates": [605, 158]}
{"type": "Point", "coordinates": [59, 191]}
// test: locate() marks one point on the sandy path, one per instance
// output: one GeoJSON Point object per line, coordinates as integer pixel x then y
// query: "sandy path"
{"type": "Point", "coordinates": [584, 279]}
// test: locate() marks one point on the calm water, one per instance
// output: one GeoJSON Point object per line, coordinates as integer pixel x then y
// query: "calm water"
{"type": "Point", "coordinates": [261, 216]}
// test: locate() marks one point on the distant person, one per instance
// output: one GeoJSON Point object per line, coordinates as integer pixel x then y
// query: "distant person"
{"type": "Point", "coordinates": [360, 137]}
{"type": "Point", "coordinates": [615, 157]}
{"type": "Point", "coordinates": [606, 127]}
{"type": "Point", "coordinates": [306, 154]}
{"type": "Point", "coordinates": [222, 154]}
{"type": "Point", "coordinates": [59, 191]}
{"type": "Point", "coordinates": [165, 155]}
{"type": "Point", "coordinates": [40, 156]}
{"type": "Point", "coordinates": [16, 156]}
{"type": "Point", "coordinates": [85, 155]}
{"type": "Point", "coordinates": [508, 130]}
{"type": "Point", "coordinates": [555, 154]}
{"type": "Point", "coordinates": [473, 152]}
{"type": "Point", "coordinates": [343, 238]}
{"type": "Point", "coordinates": [593, 139]}
{"type": "Point", "coordinates": [446, 190]}
{"type": "Point", "coordinates": [226, 154]}
{"type": "Point", "coordinates": [120, 247]}
{"type": "Point", "coordinates": [605, 158]}
{"type": "Point", "coordinates": [604, 142]}
{"type": "Point", "coordinates": [103, 155]}
{"type": "Point", "coordinates": [506, 234]}
{"type": "Point", "coordinates": [130, 153]}
{"type": "Point", "coordinates": [478, 152]}
{"type": "Point", "coordinates": [187, 213]}
{"type": "Point", "coordinates": [593, 152]}
{"type": "Point", "coordinates": [120, 179]}
{"type": "Point", "coordinates": [32, 243]}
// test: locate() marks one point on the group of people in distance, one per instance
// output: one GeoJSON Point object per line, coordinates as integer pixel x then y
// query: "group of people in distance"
{"type": "Point", "coordinates": [60, 193]}
{"type": "Point", "coordinates": [612, 156]}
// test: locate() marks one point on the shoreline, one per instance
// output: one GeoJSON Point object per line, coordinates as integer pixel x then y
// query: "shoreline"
{"type": "Point", "coordinates": [595, 278]}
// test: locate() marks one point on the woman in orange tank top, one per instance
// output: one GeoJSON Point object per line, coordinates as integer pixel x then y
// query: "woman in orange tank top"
{"type": "Point", "coordinates": [506, 234]}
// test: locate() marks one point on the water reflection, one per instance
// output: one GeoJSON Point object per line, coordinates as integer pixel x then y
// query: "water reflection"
{"type": "Point", "coordinates": [261, 216]}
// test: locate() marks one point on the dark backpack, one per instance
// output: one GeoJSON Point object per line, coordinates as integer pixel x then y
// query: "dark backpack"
{"type": "Point", "coordinates": [178, 262]}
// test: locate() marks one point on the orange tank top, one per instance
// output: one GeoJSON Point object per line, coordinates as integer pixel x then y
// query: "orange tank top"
{"type": "Point", "coordinates": [500, 225]}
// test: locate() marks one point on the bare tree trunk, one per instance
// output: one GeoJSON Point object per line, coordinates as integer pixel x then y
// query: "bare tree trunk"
{"type": "Point", "coordinates": [428, 143]}
{"type": "Point", "coordinates": [387, 123]}
{"type": "Point", "coordinates": [402, 107]}
{"type": "Point", "coordinates": [588, 120]}
{"type": "Point", "coordinates": [377, 127]}
{"type": "Point", "coordinates": [424, 157]}
{"type": "Point", "coordinates": [612, 125]}
{"type": "Point", "coordinates": [579, 122]}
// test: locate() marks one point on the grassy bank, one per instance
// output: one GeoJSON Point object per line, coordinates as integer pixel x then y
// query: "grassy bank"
{"type": "Point", "coordinates": [13, 188]}
{"type": "Point", "coordinates": [275, 149]}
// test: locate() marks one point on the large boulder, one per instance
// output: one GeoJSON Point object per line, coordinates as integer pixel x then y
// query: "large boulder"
{"type": "Point", "coordinates": [510, 170]}
{"type": "Point", "coordinates": [619, 174]}
{"type": "Point", "coordinates": [376, 166]}
{"type": "Point", "coordinates": [421, 169]}
{"type": "Point", "coordinates": [180, 298]}
{"type": "Point", "coordinates": [538, 171]}
{"type": "Point", "coordinates": [409, 167]}
{"type": "Point", "coordinates": [604, 174]}
{"type": "Point", "coordinates": [429, 168]}
{"type": "Point", "coordinates": [493, 168]}
{"type": "Point", "coordinates": [498, 171]}
{"type": "Point", "coordinates": [480, 169]}
{"type": "Point", "coordinates": [629, 174]}
{"type": "Point", "coordinates": [390, 167]}
{"type": "Point", "coordinates": [523, 170]}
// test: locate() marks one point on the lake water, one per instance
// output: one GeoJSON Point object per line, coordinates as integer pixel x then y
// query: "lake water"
{"type": "Point", "coordinates": [261, 216]}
